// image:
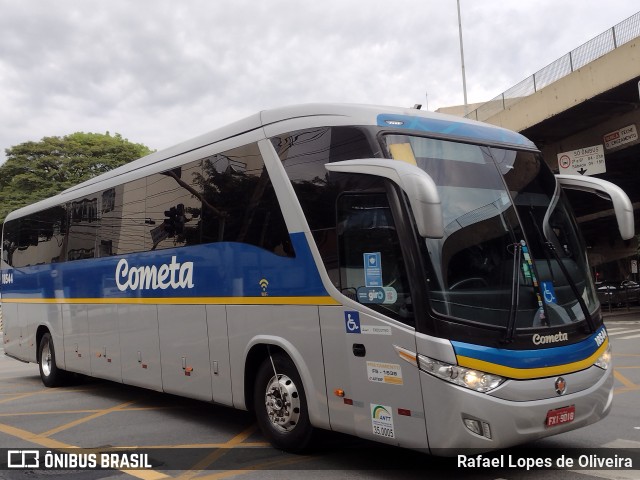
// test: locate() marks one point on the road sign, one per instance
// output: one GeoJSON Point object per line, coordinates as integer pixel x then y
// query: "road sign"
{"type": "Point", "coordinates": [628, 134]}
{"type": "Point", "coordinates": [583, 161]}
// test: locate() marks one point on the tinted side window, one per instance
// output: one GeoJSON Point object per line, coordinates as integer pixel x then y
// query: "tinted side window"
{"type": "Point", "coordinates": [123, 223]}
{"type": "Point", "coordinates": [303, 154]}
{"type": "Point", "coordinates": [173, 208]}
{"type": "Point", "coordinates": [36, 239]}
{"type": "Point", "coordinates": [239, 203]}
{"type": "Point", "coordinates": [9, 241]}
{"type": "Point", "coordinates": [83, 228]}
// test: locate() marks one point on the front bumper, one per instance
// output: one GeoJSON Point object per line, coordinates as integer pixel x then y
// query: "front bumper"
{"type": "Point", "coordinates": [511, 422]}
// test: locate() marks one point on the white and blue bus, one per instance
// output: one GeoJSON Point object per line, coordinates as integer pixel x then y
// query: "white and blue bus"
{"type": "Point", "coordinates": [399, 275]}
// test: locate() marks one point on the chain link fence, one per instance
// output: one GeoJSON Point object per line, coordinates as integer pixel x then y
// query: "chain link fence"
{"type": "Point", "coordinates": [595, 48]}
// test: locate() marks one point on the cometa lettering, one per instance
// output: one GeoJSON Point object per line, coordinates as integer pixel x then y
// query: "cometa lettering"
{"type": "Point", "coordinates": [151, 277]}
{"type": "Point", "coordinates": [542, 339]}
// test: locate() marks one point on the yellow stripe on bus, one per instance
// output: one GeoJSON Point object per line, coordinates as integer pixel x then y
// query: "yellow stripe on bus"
{"type": "Point", "coordinates": [529, 373]}
{"type": "Point", "coordinates": [182, 301]}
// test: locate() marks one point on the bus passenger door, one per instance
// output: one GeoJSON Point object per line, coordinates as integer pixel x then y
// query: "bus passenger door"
{"type": "Point", "coordinates": [383, 392]}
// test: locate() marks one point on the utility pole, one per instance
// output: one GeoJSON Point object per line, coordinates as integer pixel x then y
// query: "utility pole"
{"type": "Point", "coordinates": [464, 79]}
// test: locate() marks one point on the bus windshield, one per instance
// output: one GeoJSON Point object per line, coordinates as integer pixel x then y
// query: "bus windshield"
{"type": "Point", "coordinates": [511, 255]}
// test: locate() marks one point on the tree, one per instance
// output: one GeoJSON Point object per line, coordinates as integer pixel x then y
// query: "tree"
{"type": "Point", "coordinates": [37, 170]}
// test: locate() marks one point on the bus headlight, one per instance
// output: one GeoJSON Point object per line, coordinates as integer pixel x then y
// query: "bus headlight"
{"type": "Point", "coordinates": [465, 377]}
{"type": "Point", "coordinates": [604, 360]}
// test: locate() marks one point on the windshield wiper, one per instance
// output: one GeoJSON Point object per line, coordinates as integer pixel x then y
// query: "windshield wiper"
{"type": "Point", "coordinates": [515, 292]}
{"type": "Point", "coordinates": [572, 284]}
{"type": "Point", "coordinates": [523, 251]}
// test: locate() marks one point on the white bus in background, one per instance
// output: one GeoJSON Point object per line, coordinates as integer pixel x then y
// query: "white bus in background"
{"type": "Point", "coordinates": [398, 275]}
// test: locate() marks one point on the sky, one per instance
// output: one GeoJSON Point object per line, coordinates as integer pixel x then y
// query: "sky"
{"type": "Point", "coordinates": [159, 72]}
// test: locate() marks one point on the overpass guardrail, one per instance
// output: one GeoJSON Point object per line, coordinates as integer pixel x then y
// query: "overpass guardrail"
{"type": "Point", "coordinates": [595, 48]}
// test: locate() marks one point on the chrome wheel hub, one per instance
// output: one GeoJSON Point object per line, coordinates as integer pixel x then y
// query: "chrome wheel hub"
{"type": "Point", "coordinates": [283, 403]}
{"type": "Point", "coordinates": [45, 360]}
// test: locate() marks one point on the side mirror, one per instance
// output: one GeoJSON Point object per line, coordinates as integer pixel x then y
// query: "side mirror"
{"type": "Point", "coordinates": [416, 183]}
{"type": "Point", "coordinates": [621, 203]}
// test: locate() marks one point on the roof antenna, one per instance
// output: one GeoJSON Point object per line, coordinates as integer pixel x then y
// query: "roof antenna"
{"type": "Point", "coordinates": [417, 106]}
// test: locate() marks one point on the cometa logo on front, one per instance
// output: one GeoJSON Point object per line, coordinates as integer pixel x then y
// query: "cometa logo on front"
{"type": "Point", "coordinates": [542, 339]}
{"type": "Point", "coordinates": [151, 277]}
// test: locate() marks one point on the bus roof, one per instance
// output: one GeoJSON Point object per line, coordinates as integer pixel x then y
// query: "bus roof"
{"type": "Point", "coordinates": [296, 117]}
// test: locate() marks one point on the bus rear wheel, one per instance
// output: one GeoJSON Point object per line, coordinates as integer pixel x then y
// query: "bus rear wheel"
{"type": "Point", "coordinates": [50, 374]}
{"type": "Point", "coordinates": [280, 405]}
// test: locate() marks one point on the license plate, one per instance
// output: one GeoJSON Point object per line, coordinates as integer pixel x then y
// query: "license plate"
{"type": "Point", "coordinates": [560, 416]}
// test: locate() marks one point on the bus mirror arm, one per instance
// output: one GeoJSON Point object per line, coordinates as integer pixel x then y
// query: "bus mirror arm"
{"type": "Point", "coordinates": [622, 206]}
{"type": "Point", "coordinates": [416, 183]}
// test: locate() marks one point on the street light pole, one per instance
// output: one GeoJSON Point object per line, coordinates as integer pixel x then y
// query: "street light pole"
{"type": "Point", "coordinates": [464, 79]}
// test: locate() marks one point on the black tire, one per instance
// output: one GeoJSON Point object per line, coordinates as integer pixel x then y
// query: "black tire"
{"type": "Point", "coordinates": [50, 374]}
{"type": "Point", "coordinates": [281, 407]}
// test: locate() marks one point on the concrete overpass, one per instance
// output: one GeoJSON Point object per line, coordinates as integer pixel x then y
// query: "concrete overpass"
{"type": "Point", "coordinates": [590, 97]}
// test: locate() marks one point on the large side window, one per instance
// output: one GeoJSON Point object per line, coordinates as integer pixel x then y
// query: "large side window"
{"type": "Point", "coordinates": [173, 208]}
{"type": "Point", "coordinates": [36, 239]}
{"type": "Point", "coordinates": [83, 228]}
{"type": "Point", "coordinates": [372, 267]}
{"type": "Point", "coordinates": [10, 241]}
{"type": "Point", "coordinates": [123, 223]}
{"type": "Point", "coordinates": [304, 154]}
{"type": "Point", "coordinates": [239, 203]}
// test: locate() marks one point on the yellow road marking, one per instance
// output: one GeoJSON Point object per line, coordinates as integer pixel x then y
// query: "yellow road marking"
{"type": "Point", "coordinates": [624, 380]}
{"type": "Point", "coordinates": [196, 445]}
{"type": "Point", "coordinates": [253, 468]}
{"type": "Point", "coordinates": [69, 425]}
{"type": "Point", "coordinates": [89, 410]}
{"type": "Point", "coordinates": [616, 391]}
{"type": "Point", "coordinates": [25, 395]}
{"type": "Point", "coordinates": [51, 443]}
{"type": "Point", "coordinates": [217, 454]}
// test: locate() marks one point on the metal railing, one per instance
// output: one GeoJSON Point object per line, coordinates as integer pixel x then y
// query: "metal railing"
{"type": "Point", "coordinates": [595, 48]}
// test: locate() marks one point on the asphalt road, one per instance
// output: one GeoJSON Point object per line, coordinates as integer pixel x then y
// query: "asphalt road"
{"type": "Point", "coordinates": [188, 439]}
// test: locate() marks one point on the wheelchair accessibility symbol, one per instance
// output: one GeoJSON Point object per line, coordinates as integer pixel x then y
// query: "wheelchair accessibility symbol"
{"type": "Point", "coordinates": [548, 292]}
{"type": "Point", "coordinates": [352, 322]}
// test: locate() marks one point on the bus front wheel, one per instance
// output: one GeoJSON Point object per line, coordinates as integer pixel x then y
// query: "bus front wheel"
{"type": "Point", "coordinates": [50, 374]}
{"type": "Point", "coordinates": [280, 405]}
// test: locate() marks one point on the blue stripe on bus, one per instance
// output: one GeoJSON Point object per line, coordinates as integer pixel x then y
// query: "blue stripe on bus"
{"type": "Point", "coordinates": [224, 269]}
{"type": "Point", "coordinates": [459, 129]}
{"type": "Point", "coordinates": [539, 358]}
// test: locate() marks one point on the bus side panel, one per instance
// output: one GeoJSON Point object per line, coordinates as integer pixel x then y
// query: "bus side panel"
{"type": "Point", "coordinates": [295, 329]}
{"type": "Point", "coordinates": [184, 344]}
{"type": "Point", "coordinates": [140, 345]}
{"type": "Point", "coordinates": [219, 354]}
{"type": "Point", "coordinates": [28, 317]}
{"type": "Point", "coordinates": [337, 371]}
{"type": "Point", "coordinates": [104, 341]}
{"type": "Point", "coordinates": [384, 392]}
{"type": "Point", "coordinates": [75, 328]}
{"type": "Point", "coordinates": [12, 330]}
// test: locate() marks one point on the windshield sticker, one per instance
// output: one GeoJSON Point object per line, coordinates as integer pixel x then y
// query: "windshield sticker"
{"type": "Point", "coordinates": [384, 295]}
{"type": "Point", "coordinates": [382, 421]}
{"type": "Point", "coordinates": [371, 295]}
{"type": "Point", "coordinates": [389, 373]}
{"type": "Point", "coordinates": [540, 314]}
{"type": "Point", "coordinates": [372, 270]}
{"type": "Point", "coordinates": [548, 292]}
